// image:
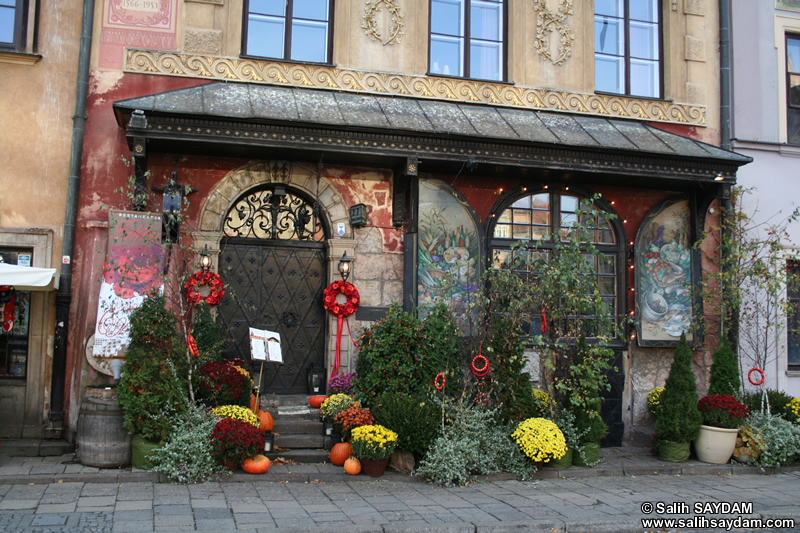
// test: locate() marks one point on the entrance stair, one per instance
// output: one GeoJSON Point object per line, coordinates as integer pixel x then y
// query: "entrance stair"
{"type": "Point", "coordinates": [298, 429]}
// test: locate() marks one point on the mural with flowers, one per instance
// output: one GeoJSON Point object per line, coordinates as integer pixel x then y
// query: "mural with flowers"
{"type": "Point", "coordinates": [448, 263]}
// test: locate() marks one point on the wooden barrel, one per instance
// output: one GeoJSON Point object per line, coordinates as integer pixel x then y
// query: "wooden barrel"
{"type": "Point", "coordinates": [102, 441]}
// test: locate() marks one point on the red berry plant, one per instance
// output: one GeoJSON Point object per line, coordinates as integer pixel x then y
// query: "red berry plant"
{"type": "Point", "coordinates": [722, 411]}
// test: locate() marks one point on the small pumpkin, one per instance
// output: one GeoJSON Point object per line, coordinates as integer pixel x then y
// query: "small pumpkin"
{"type": "Point", "coordinates": [267, 423]}
{"type": "Point", "coordinates": [352, 466]}
{"type": "Point", "coordinates": [316, 401]}
{"type": "Point", "coordinates": [340, 452]}
{"type": "Point", "coordinates": [258, 464]}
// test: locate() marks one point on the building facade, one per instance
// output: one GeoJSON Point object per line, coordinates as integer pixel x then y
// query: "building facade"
{"type": "Point", "coordinates": [765, 36]}
{"type": "Point", "coordinates": [421, 137]}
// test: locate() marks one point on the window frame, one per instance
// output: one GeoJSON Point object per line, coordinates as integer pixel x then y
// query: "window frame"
{"type": "Point", "coordinates": [467, 40]}
{"type": "Point", "coordinates": [20, 28]}
{"type": "Point", "coordinates": [287, 38]}
{"type": "Point", "coordinates": [626, 53]}
{"type": "Point", "coordinates": [616, 250]}
{"type": "Point", "coordinates": [793, 314]}
{"type": "Point", "coordinates": [790, 108]}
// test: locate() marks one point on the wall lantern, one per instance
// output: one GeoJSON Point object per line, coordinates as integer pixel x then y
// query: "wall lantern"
{"type": "Point", "coordinates": [344, 267]}
{"type": "Point", "coordinates": [358, 215]}
{"type": "Point", "coordinates": [205, 259]}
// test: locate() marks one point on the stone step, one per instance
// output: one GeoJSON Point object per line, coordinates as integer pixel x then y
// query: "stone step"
{"type": "Point", "coordinates": [37, 447]}
{"type": "Point", "coordinates": [299, 441]}
{"type": "Point", "coordinates": [267, 401]}
{"type": "Point", "coordinates": [301, 456]}
{"type": "Point", "coordinates": [284, 426]}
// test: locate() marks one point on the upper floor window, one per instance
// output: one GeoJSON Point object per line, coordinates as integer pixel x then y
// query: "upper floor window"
{"type": "Point", "coordinates": [793, 87]}
{"type": "Point", "coordinates": [296, 30]}
{"type": "Point", "coordinates": [793, 301]}
{"type": "Point", "coordinates": [627, 47]}
{"type": "Point", "coordinates": [12, 24]}
{"type": "Point", "coordinates": [467, 38]}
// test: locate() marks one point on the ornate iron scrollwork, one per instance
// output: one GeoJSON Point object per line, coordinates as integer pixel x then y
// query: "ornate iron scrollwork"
{"type": "Point", "coordinates": [273, 213]}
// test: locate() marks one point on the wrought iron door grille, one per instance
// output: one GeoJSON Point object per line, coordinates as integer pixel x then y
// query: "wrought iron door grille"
{"type": "Point", "coordinates": [274, 213]}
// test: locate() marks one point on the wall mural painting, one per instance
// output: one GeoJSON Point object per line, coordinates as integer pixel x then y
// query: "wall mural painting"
{"type": "Point", "coordinates": [448, 255]}
{"type": "Point", "coordinates": [664, 275]}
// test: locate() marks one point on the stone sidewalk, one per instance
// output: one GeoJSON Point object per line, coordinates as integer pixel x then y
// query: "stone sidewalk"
{"type": "Point", "coordinates": [49, 494]}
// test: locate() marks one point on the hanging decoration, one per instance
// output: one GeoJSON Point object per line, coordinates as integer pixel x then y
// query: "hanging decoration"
{"type": "Point", "coordinates": [7, 305]}
{"type": "Point", "coordinates": [480, 365]}
{"type": "Point", "coordinates": [340, 311]}
{"type": "Point", "coordinates": [757, 380]}
{"type": "Point", "coordinates": [439, 381]}
{"type": "Point", "coordinates": [544, 321]}
{"type": "Point", "coordinates": [201, 279]}
{"type": "Point", "coordinates": [192, 343]}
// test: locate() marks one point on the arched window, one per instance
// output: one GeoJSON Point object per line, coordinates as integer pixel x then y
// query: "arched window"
{"type": "Point", "coordinates": [272, 212]}
{"type": "Point", "coordinates": [536, 218]}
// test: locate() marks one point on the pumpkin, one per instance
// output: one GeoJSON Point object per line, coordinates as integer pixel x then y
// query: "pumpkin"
{"type": "Point", "coordinates": [316, 401]}
{"type": "Point", "coordinates": [254, 403]}
{"type": "Point", "coordinates": [258, 464]}
{"type": "Point", "coordinates": [267, 423]}
{"type": "Point", "coordinates": [340, 452]}
{"type": "Point", "coordinates": [352, 466]}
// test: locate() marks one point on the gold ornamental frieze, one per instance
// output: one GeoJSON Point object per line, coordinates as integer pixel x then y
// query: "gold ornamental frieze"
{"type": "Point", "coordinates": [447, 89]}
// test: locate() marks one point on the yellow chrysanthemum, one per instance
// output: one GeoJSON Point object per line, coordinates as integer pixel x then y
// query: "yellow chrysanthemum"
{"type": "Point", "coordinates": [794, 407]}
{"type": "Point", "coordinates": [653, 400]}
{"type": "Point", "coordinates": [237, 413]}
{"type": "Point", "coordinates": [540, 439]}
{"type": "Point", "coordinates": [242, 371]}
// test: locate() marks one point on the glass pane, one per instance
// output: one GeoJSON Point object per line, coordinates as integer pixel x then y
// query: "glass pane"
{"type": "Point", "coordinates": [646, 10]}
{"type": "Point", "coordinates": [794, 89]}
{"type": "Point", "coordinates": [522, 232]}
{"type": "Point", "coordinates": [265, 36]}
{"type": "Point", "coordinates": [505, 216]}
{"type": "Point", "coordinates": [486, 21]}
{"type": "Point", "coordinates": [644, 78]}
{"type": "Point", "coordinates": [568, 220]}
{"type": "Point", "coordinates": [569, 203]}
{"type": "Point", "coordinates": [310, 9]}
{"type": "Point", "coordinates": [541, 217]}
{"type": "Point", "coordinates": [608, 72]}
{"type": "Point", "coordinates": [446, 56]}
{"type": "Point", "coordinates": [608, 36]}
{"type": "Point", "coordinates": [608, 7]}
{"type": "Point", "coordinates": [7, 24]}
{"type": "Point", "coordinates": [644, 40]}
{"type": "Point", "coordinates": [521, 216]}
{"type": "Point", "coordinates": [14, 343]}
{"type": "Point", "coordinates": [502, 231]}
{"type": "Point", "coordinates": [525, 201]}
{"type": "Point", "coordinates": [793, 55]}
{"type": "Point", "coordinates": [447, 17]}
{"type": "Point", "coordinates": [485, 60]}
{"type": "Point", "coordinates": [268, 7]}
{"type": "Point", "coordinates": [607, 285]}
{"type": "Point", "coordinates": [794, 126]}
{"type": "Point", "coordinates": [501, 259]}
{"type": "Point", "coordinates": [607, 264]}
{"type": "Point", "coordinates": [539, 233]}
{"type": "Point", "coordinates": [310, 41]}
{"type": "Point", "coordinates": [609, 306]}
{"type": "Point", "coordinates": [541, 201]}
{"type": "Point", "coordinates": [606, 234]}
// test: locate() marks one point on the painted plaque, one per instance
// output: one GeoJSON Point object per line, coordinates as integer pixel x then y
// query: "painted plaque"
{"type": "Point", "coordinates": [137, 24]}
{"type": "Point", "coordinates": [789, 5]}
{"type": "Point", "coordinates": [664, 275]}
{"type": "Point", "coordinates": [448, 255]}
{"type": "Point", "coordinates": [132, 271]}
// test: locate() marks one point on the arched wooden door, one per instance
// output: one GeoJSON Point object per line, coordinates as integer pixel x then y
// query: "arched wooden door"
{"type": "Point", "coordinates": [273, 263]}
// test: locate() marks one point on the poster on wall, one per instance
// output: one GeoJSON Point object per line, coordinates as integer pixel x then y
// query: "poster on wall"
{"type": "Point", "coordinates": [664, 275]}
{"type": "Point", "coordinates": [448, 253]}
{"type": "Point", "coordinates": [788, 5]}
{"type": "Point", "coordinates": [132, 270]}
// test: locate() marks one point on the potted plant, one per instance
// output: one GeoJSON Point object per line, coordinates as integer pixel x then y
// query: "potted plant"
{"type": "Point", "coordinates": [353, 417]}
{"type": "Point", "coordinates": [572, 436]}
{"type": "Point", "coordinates": [233, 441]}
{"type": "Point", "coordinates": [341, 383]}
{"type": "Point", "coordinates": [335, 404]}
{"type": "Point", "coordinates": [373, 445]}
{"type": "Point", "coordinates": [722, 415]}
{"type": "Point", "coordinates": [540, 439]}
{"type": "Point", "coordinates": [678, 419]}
{"type": "Point", "coordinates": [654, 401]}
{"type": "Point", "coordinates": [749, 444]}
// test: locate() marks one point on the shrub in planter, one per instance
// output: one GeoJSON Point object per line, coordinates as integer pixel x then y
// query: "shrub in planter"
{"type": "Point", "coordinates": [235, 440]}
{"type": "Point", "coordinates": [722, 411]}
{"type": "Point", "coordinates": [781, 439]}
{"type": "Point", "coordinates": [679, 419]}
{"type": "Point", "coordinates": [224, 383]}
{"type": "Point", "coordinates": [151, 380]}
{"type": "Point", "coordinates": [724, 377]}
{"type": "Point", "coordinates": [186, 457]}
{"type": "Point", "coordinates": [769, 401]}
{"type": "Point", "coordinates": [474, 443]}
{"type": "Point", "coordinates": [416, 421]}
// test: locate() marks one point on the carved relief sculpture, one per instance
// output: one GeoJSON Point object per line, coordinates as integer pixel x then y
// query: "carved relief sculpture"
{"type": "Point", "coordinates": [549, 22]}
{"type": "Point", "coordinates": [372, 14]}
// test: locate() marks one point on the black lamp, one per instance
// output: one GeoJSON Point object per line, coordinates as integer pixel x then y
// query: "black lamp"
{"type": "Point", "coordinates": [205, 259]}
{"type": "Point", "coordinates": [315, 379]}
{"type": "Point", "coordinates": [344, 267]}
{"type": "Point", "coordinates": [269, 441]}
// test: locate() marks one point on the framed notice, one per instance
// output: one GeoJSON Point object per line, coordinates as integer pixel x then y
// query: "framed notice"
{"type": "Point", "coordinates": [265, 346]}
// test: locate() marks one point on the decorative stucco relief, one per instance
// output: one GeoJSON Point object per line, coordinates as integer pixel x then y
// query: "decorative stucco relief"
{"type": "Point", "coordinates": [553, 22]}
{"type": "Point", "coordinates": [372, 18]}
{"type": "Point", "coordinates": [448, 89]}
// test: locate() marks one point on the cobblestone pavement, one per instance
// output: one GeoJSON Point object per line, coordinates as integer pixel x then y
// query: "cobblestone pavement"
{"type": "Point", "coordinates": [319, 498]}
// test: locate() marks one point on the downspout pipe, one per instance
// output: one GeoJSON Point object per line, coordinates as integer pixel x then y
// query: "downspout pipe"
{"type": "Point", "coordinates": [64, 294]}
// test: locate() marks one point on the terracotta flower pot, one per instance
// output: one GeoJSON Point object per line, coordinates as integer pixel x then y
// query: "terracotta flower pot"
{"type": "Point", "coordinates": [715, 445]}
{"type": "Point", "coordinates": [374, 467]}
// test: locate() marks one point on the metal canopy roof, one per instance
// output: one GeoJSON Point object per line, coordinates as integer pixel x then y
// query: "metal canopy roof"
{"type": "Point", "coordinates": [434, 120]}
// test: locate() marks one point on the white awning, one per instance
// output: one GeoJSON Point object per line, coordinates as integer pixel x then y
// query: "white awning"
{"type": "Point", "coordinates": [28, 278]}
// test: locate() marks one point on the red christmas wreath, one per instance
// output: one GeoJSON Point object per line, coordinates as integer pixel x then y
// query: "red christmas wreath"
{"type": "Point", "coordinates": [334, 307]}
{"type": "Point", "coordinates": [201, 279]}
